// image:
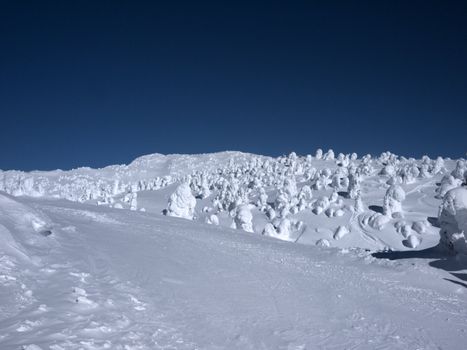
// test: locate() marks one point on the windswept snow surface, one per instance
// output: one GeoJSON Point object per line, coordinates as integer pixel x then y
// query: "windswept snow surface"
{"type": "Point", "coordinates": [89, 261]}
{"type": "Point", "coordinates": [119, 279]}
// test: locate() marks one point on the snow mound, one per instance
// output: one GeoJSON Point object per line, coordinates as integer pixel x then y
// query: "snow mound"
{"type": "Point", "coordinates": [453, 220]}
{"type": "Point", "coordinates": [22, 227]}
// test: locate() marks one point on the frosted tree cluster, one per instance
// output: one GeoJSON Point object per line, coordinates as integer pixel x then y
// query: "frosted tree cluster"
{"type": "Point", "coordinates": [278, 197]}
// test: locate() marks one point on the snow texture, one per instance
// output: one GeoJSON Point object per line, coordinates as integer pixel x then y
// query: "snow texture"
{"type": "Point", "coordinates": [326, 252]}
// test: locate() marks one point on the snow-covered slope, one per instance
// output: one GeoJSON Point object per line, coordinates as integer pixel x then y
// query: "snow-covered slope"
{"type": "Point", "coordinates": [385, 202]}
{"type": "Point", "coordinates": [172, 252]}
{"type": "Point", "coordinates": [116, 279]}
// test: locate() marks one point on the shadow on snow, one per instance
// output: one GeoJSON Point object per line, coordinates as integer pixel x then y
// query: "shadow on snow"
{"type": "Point", "coordinates": [441, 260]}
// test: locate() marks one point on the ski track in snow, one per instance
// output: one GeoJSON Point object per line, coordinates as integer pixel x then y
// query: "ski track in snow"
{"type": "Point", "coordinates": [368, 235]}
{"type": "Point", "coordinates": [128, 280]}
{"type": "Point", "coordinates": [92, 308]}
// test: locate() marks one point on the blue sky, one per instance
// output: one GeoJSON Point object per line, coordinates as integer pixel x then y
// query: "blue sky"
{"type": "Point", "coordinates": [92, 83]}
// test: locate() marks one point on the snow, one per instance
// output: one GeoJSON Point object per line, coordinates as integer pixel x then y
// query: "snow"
{"type": "Point", "coordinates": [182, 202]}
{"type": "Point", "coordinates": [412, 241]}
{"type": "Point", "coordinates": [244, 218]}
{"type": "Point", "coordinates": [453, 220]}
{"type": "Point", "coordinates": [393, 200]}
{"type": "Point", "coordinates": [341, 232]}
{"type": "Point", "coordinates": [76, 272]}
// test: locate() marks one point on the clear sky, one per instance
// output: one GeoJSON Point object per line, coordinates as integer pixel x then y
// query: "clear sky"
{"type": "Point", "coordinates": [93, 83]}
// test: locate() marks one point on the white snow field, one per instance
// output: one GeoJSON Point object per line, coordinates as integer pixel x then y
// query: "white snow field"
{"type": "Point", "coordinates": [353, 261]}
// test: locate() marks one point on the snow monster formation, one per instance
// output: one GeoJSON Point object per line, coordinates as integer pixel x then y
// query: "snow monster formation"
{"type": "Point", "coordinates": [182, 202]}
{"type": "Point", "coordinates": [453, 220]}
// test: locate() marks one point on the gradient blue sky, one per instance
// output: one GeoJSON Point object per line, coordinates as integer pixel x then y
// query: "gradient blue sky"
{"type": "Point", "coordinates": [92, 83]}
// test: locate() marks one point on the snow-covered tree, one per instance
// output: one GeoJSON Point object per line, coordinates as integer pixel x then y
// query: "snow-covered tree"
{"type": "Point", "coordinates": [425, 171]}
{"type": "Point", "coordinates": [388, 170]}
{"type": "Point", "coordinates": [134, 201]}
{"type": "Point", "coordinates": [458, 172]}
{"type": "Point", "coordinates": [358, 205]}
{"type": "Point", "coordinates": [304, 197]}
{"type": "Point", "coordinates": [290, 187]}
{"type": "Point", "coordinates": [336, 181]}
{"type": "Point", "coordinates": [284, 228]}
{"type": "Point", "coordinates": [320, 205]}
{"type": "Point", "coordinates": [182, 202]}
{"type": "Point", "coordinates": [438, 166]}
{"type": "Point", "coordinates": [282, 204]}
{"type": "Point", "coordinates": [334, 196]}
{"type": "Point", "coordinates": [271, 213]}
{"type": "Point", "coordinates": [329, 155]}
{"type": "Point", "coordinates": [409, 173]}
{"type": "Point", "coordinates": [269, 230]}
{"type": "Point", "coordinates": [319, 154]}
{"type": "Point", "coordinates": [243, 218]}
{"type": "Point", "coordinates": [204, 188]}
{"type": "Point", "coordinates": [453, 220]}
{"type": "Point", "coordinates": [354, 186]}
{"type": "Point", "coordinates": [448, 182]}
{"type": "Point", "coordinates": [393, 200]}
{"type": "Point", "coordinates": [306, 193]}
{"type": "Point", "coordinates": [262, 202]}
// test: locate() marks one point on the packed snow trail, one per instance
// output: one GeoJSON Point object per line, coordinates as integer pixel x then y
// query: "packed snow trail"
{"type": "Point", "coordinates": [117, 279]}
